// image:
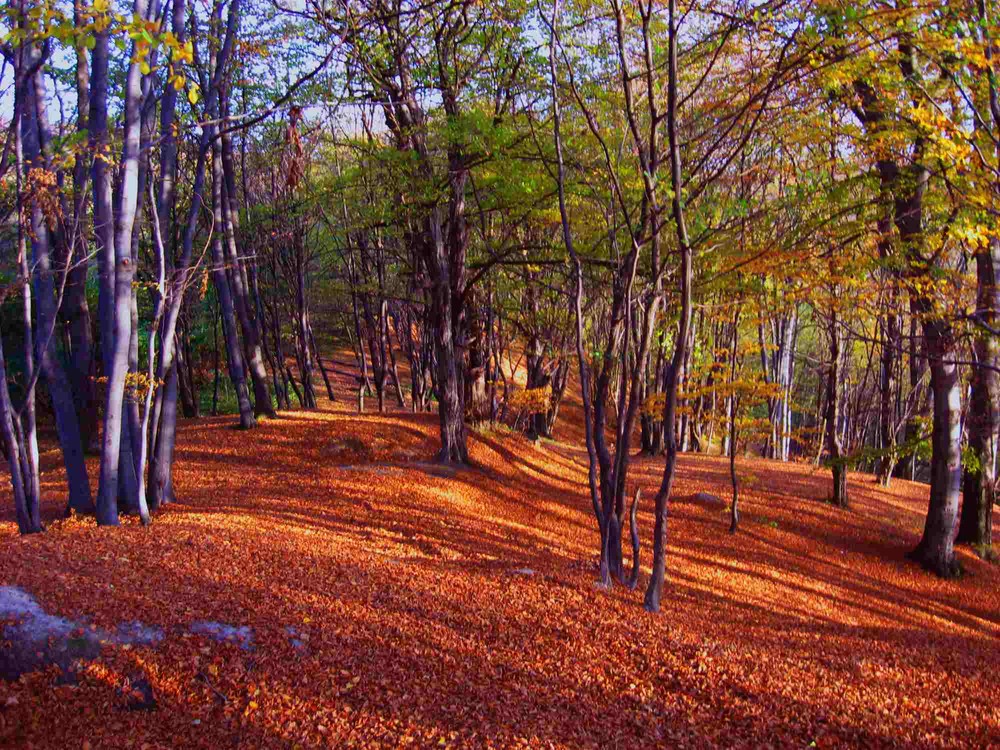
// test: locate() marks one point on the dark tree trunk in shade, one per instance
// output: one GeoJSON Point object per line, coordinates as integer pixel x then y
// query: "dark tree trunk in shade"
{"type": "Point", "coordinates": [33, 134]}
{"type": "Point", "coordinates": [734, 507]}
{"type": "Point", "coordinates": [28, 521]}
{"type": "Point", "coordinates": [303, 350]}
{"type": "Point", "coordinates": [980, 487]}
{"type": "Point", "coordinates": [295, 387]}
{"type": "Point", "coordinates": [161, 484]}
{"type": "Point", "coordinates": [185, 378]}
{"type": "Point", "coordinates": [449, 377]}
{"type": "Point", "coordinates": [20, 434]}
{"type": "Point", "coordinates": [227, 313]}
{"type": "Point", "coordinates": [128, 478]}
{"type": "Point", "coordinates": [239, 287]}
{"type": "Point", "coordinates": [76, 311]}
{"type": "Point", "coordinates": [834, 446]}
{"type": "Point", "coordinates": [322, 368]}
{"type": "Point", "coordinates": [654, 591]}
{"type": "Point", "coordinates": [888, 380]}
{"type": "Point", "coordinates": [980, 480]}
{"type": "Point", "coordinates": [278, 361]}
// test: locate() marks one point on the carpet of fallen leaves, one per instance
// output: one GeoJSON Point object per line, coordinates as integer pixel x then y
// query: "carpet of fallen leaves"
{"type": "Point", "coordinates": [396, 603]}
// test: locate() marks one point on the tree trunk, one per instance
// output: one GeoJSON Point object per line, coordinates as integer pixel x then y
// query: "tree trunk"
{"type": "Point", "coordinates": [190, 407]}
{"type": "Point", "coordinates": [238, 286]}
{"type": "Point", "coordinates": [28, 521]}
{"type": "Point", "coordinates": [980, 482]}
{"type": "Point", "coordinates": [23, 434]}
{"type": "Point", "coordinates": [120, 268]}
{"type": "Point", "coordinates": [838, 465]}
{"type": "Point", "coordinates": [936, 548]}
{"type": "Point", "coordinates": [308, 397]}
{"type": "Point", "coordinates": [230, 332]}
{"type": "Point", "coordinates": [654, 591]}
{"type": "Point", "coordinates": [161, 483]}
{"type": "Point", "coordinates": [322, 369]}
{"type": "Point", "coordinates": [451, 407]}
{"type": "Point", "coordinates": [888, 383]}
{"type": "Point", "coordinates": [33, 134]}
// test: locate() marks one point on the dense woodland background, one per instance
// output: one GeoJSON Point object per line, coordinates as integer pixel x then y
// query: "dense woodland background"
{"type": "Point", "coordinates": [730, 227]}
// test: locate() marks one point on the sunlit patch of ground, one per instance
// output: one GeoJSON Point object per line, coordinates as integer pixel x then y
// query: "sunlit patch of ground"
{"type": "Point", "coordinates": [383, 601]}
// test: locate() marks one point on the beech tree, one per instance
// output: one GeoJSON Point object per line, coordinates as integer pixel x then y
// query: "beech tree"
{"type": "Point", "coordinates": [761, 230]}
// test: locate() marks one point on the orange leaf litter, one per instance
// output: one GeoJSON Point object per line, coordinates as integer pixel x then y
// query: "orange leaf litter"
{"type": "Point", "coordinates": [393, 603]}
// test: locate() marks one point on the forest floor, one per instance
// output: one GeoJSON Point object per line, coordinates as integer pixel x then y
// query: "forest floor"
{"type": "Point", "coordinates": [321, 583]}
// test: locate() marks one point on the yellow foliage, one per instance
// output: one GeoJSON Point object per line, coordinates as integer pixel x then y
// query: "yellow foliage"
{"type": "Point", "coordinates": [137, 385]}
{"type": "Point", "coordinates": [532, 400]}
{"type": "Point", "coordinates": [652, 405]}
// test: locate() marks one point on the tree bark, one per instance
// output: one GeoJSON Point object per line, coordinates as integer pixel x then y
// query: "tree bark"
{"type": "Point", "coordinates": [230, 332]}
{"type": "Point", "coordinates": [33, 136]}
{"type": "Point", "coordinates": [980, 482]}
{"type": "Point", "coordinates": [238, 285]}
{"type": "Point", "coordinates": [28, 521]}
{"type": "Point", "coordinates": [935, 550]}
{"type": "Point", "coordinates": [119, 268]}
{"type": "Point", "coordinates": [654, 591]}
{"type": "Point", "coordinates": [838, 465]}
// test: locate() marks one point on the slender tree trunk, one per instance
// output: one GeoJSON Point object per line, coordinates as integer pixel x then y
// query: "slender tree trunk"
{"type": "Point", "coordinates": [295, 388]}
{"type": "Point", "coordinates": [215, 365]}
{"type": "Point", "coordinates": [786, 365]}
{"type": "Point", "coordinates": [980, 481]}
{"type": "Point", "coordinates": [120, 269]}
{"type": "Point", "coordinates": [838, 465]}
{"type": "Point", "coordinates": [981, 487]}
{"type": "Point", "coordinates": [888, 385]}
{"type": "Point", "coordinates": [577, 291]}
{"type": "Point", "coordinates": [734, 508]}
{"type": "Point", "coordinates": [76, 309]}
{"type": "Point", "coordinates": [302, 337]}
{"type": "Point", "coordinates": [238, 285]}
{"type": "Point", "coordinates": [190, 407]}
{"type": "Point", "coordinates": [230, 332]}
{"type": "Point", "coordinates": [162, 456]}
{"type": "Point", "coordinates": [278, 363]}
{"type": "Point", "coordinates": [33, 133]}
{"type": "Point", "coordinates": [27, 522]}
{"type": "Point", "coordinates": [27, 477]}
{"type": "Point", "coordinates": [654, 590]}
{"type": "Point", "coordinates": [170, 298]}
{"type": "Point", "coordinates": [322, 369]}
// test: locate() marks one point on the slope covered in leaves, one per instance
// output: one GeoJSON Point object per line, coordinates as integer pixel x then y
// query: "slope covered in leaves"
{"type": "Point", "coordinates": [383, 601]}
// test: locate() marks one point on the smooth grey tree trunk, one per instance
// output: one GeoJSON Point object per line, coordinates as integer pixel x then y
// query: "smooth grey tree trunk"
{"type": "Point", "coordinates": [121, 273]}
{"type": "Point", "coordinates": [164, 407]}
{"type": "Point", "coordinates": [935, 550]}
{"type": "Point", "coordinates": [25, 428]}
